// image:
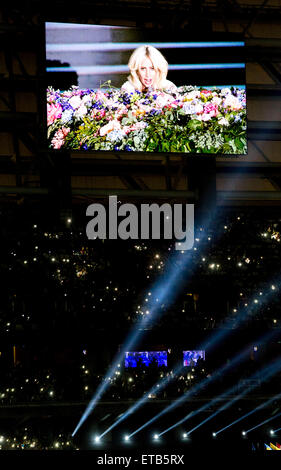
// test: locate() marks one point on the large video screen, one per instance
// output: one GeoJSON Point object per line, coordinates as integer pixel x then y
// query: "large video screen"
{"type": "Point", "coordinates": [190, 358]}
{"type": "Point", "coordinates": [146, 358]}
{"type": "Point", "coordinates": [124, 89]}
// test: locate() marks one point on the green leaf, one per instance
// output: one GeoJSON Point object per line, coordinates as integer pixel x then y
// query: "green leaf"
{"type": "Point", "coordinates": [194, 124]}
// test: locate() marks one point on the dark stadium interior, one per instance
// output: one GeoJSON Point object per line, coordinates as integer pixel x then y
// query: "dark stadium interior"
{"type": "Point", "coordinates": [69, 303]}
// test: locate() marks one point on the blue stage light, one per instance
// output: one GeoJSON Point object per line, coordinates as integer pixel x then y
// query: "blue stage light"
{"type": "Point", "coordinates": [196, 388]}
{"type": "Point", "coordinates": [258, 408]}
{"type": "Point", "coordinates": [266, 373]}
{"type": "Point", "coordinates": [264, 422]}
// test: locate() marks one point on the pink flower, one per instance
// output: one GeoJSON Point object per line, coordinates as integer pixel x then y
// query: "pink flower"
{"type": "Point", "coordinates": [98, 114]}
{"type": "Point", "coordinates": [163, 100]}
{"type": "Point", "coordinates": [211, 109]}
{"type": "Point", "coordinates": [100, 96]}
{"type": "Point", "coordinates": [174, 104]}
{"type": "Point", "coordinates": [59, 137]}
{"type": "Point", "coordinates": [65, 131]}
{"type": "Point", "coordinates": [54, 111]}
{"type": "Point", "coordinates": [121, 111]}
{"type": "Point", "coordinates": [126, 129]}
{"type": "Point", "coordinates": [134, 127]}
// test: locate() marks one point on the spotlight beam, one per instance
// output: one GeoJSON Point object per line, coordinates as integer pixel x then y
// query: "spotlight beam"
{"type": "Point", "coordinates": [237, 359]}
{"type": "Point", "coordinates": [162, 290]}
{"type": "Point", "coordinates": [276, 430]}
{"type": "Point", "coordinates": [169, 285]}
{"type": "Point", "coordinates": [263, 422]}
{"type": "Point", "coordinates": [258, 408]}
{"type": "Point", "coordinates": [213, 341]}
{"type": "Point", "coordinates": [139, 403]}
{"type": "Point", "coordinates": [265, 374]}
{"type": "Point", "coordinates": [132, 340]}
{"type": "Point", "coordinates": [178, 423]}
{"type": "Point", "coordinates": [196, 388]}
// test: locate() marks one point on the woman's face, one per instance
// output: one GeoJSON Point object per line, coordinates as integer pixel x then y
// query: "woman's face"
{"type": "Point", "coordinates": [146, 73]}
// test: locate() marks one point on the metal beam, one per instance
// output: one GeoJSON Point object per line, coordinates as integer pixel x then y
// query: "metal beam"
{"type": "Point", "coordinates": [222, 196]}
{"type": "Point", "coordinates": [264, 130]}
{"type": "Point", "coordinates": [102, 192]}
{"type": "Point", "coordinates": [137, 167]}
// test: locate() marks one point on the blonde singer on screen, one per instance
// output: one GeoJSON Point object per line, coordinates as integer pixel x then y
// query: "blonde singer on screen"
{"type": "Point", "coordinates": [148, 70]}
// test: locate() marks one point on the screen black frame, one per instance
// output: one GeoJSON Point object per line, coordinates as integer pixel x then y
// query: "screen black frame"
{"type": "Point", "coordinates": [43, 84]}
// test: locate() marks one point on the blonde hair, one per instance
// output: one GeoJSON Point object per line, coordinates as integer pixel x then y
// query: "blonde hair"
{"type": "Point", "coordinates": [159, 63]}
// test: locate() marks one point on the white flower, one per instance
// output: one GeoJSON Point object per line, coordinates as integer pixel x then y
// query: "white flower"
{"type": "Point", "coordinates": [192, 107]}
{"type": "Point", "coordinates": [112, 125]}
{"type": "Point", "coordinates": [112, 103]}
{"type": "Point", "coordinates": [226, 91]}
{"type": "Point", "coordinates": [80, 112]}
{"type": "Point", "coordinates": [115, 135]}
{"type": "Point", "coordinates": [204, 117]}
{"type": "Point", "coordinates": [86, 99]}
{"type": "Point", "coordinates": [216, 100]}
{"type": "Point", "coordinates": [75, 102]}
{"type": "Point", "coordinates": [66, 116]}
{"type": "Point", "coordinates": [232, 102]}
{"type": "Point", "coordinates": [192, 94]}
{"type": "Point", "coordinates": [198, 108]}
{"type": "Point", "coordinates": [223, 122]}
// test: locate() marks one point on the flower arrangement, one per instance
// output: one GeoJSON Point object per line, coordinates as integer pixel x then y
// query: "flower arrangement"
{"type": "Point", "coordinates": [192, 120]}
